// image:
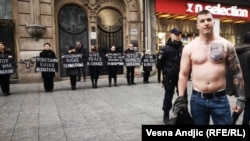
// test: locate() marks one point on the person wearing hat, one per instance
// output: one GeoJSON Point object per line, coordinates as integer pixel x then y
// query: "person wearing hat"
{"type": "Point", "coordinates": [169, 61]}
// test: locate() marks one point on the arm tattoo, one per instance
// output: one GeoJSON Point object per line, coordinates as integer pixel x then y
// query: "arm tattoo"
{"type": "Point", "coordinates": [234, 66]}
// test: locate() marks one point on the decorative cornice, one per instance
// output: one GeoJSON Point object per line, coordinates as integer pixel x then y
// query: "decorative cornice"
{"type": "Point", "coordinates": [94, 4]}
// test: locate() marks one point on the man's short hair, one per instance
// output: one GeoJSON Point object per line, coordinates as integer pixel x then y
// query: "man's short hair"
{"type": "Point", "coordinates": [46, 44]}
{"type": "Point", "coordinates": [203, 12]}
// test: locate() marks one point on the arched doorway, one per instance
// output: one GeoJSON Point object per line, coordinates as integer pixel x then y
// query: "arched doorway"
{"type": "Point", "coordinates": [110, 32]}
{"type": "Point", "coordinates": [73, 26]}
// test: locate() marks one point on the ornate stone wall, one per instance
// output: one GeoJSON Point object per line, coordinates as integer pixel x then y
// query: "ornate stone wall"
{"type": "Point", "coordinates": [42, 15]}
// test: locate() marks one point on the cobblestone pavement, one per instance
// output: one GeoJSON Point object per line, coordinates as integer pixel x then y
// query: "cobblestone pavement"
{"type": "Point", "coordinates": [86, 114]}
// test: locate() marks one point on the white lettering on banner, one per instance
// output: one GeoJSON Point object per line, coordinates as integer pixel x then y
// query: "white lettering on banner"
{"type": "Point", "coordinates": [233, 11]}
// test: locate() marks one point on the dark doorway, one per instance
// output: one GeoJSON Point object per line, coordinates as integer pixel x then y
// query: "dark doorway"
{"type": "Point", "coordinates": [7, 28]}
{"type": "Point", "coordinates": [73, 26]}
{"type": "Point", "coordinates": [110, 32]}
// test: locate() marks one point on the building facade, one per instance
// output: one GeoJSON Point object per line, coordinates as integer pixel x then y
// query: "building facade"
{"type": "Point", "coordinates": [31, 23]}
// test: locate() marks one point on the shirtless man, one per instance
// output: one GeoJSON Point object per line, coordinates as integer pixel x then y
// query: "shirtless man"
{"type": "Point", "coordinates": [208, 55]}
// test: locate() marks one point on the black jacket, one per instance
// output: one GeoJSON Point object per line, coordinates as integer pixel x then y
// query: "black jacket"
{"type": "Point", "coordinates": [146, 68]}
{"type": "Point", "coordinates": [73, 71]}
{"type": "Point", "coordinates": [84, 53]}
{"type": "Point", "coordinates": [47, 54]}
{"type": "Point", "coordinates": [169, 57]}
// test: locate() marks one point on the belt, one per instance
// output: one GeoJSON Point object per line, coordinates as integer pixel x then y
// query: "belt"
{"type": "Point", "coordinates": [210, 95]}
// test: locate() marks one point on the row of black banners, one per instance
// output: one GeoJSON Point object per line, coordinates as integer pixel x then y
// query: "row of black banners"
{"type": "Point", "coordinates": [8, 65]}
{"type": "Point", "coordinates": [93, 59]}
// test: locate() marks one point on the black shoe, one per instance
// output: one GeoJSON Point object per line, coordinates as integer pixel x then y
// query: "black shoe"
{"type": "Point", "coordinates": [166, 117]}
{"type": "Point", "coordinates": [129, 83]}
{"type": "Point", "coordinates": [116, 85]}
{"type": "Point", "coordinates": [133, 83]}
{"type": "Point", "coordinates": [5, 94]}
{"type": "Point", "coordinates": [73, 88]}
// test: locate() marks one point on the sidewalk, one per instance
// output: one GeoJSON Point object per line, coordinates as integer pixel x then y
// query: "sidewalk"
{"type": "Point", "coordinates": [86, 114]}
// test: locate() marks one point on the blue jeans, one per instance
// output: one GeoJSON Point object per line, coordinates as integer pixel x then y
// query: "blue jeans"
{"type": "Point", "coordinates": [217, 107]}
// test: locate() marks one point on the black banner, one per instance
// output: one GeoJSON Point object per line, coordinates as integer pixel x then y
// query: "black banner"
{"type": "Point", "coordinates": [72, 60]}
{"type": "Point", "coordinates": [46, 64]}
{"type": "Point", "coordinates": [148, 60]}
{"type": "Point", "coordinates": [132, 59]}
{"type": "Point", "coordinates": [114, 59]}
{"type": "Point", "coordinates": [94, 59]}
{"type": "Point", "coordinates": [195, 133]}
{"type": "Point", "coordinates": [7, 66]}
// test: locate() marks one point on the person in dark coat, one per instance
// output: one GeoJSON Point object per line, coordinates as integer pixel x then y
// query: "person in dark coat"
{"type": "Point", "coordinates": [94, 70]}
{"type": "Point", "coordinates": [112, 70]}
{"type": "Point", "coordinates": [146, 69]}
{"type": "Point", "coordinates": [169, 61]}
{"type": "Point", "coordinates": [130, 69]}
{"type": "Point", "coordinates": [72, 72]}
{"type": "Point", "coordinates": [48, 77]}
{"type": "Point", "coordinates": [243, 52]}
{"type": "Point", "coordinates": [81, 50]}
{"type": "Point", "coordinates": [5, 78]}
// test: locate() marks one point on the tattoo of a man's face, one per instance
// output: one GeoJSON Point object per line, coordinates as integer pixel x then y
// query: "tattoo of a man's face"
{"type": "Point", "coordinates": [216, 51]}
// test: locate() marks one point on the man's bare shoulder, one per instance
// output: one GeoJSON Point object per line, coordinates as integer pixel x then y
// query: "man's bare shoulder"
{"type": "Point", "coordinates": [225, 42]}
{"type": "Point", "coordinates": [192, 43]}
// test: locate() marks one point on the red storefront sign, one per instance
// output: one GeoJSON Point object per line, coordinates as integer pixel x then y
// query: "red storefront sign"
{"type": "Point", "coordinates": [186, 7]}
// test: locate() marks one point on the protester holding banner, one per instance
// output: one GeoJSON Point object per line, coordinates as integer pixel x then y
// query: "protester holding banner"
{"type": "Point", "coordinates": [130, 69]}
{"type": "Point", "coordinates": [5, 56]}
{"type": "Point", "coordinates": [73, 72]}
{"type": "Point", "coordinates": [95, 63]}
{"type": "Point", "coordinates": [48, 77]}
{"type": "Point", "coordinates": [148, 61]}
{"type": "Point", "coordinates": [81, 50]}
{"type": "Point", "coordinates": [112, 64]}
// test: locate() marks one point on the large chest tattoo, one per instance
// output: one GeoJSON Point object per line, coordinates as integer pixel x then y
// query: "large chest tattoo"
{"type": "Point", "coordinates": [216, 51]}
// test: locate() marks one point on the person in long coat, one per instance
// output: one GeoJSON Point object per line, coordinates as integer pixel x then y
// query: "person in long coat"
{"type": "Point", "coordinates": [112, 70]}
{"type": "Point", "coordinates": [72, 72]}
{"type": "Point", "coordinates": [5, 78]}
{"type": "Point", "coordinates": [94, 70]}
{"type": "Point", "coordinates": [48, 77]}
{"type": "Point", "coordinates": [146, 69]}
